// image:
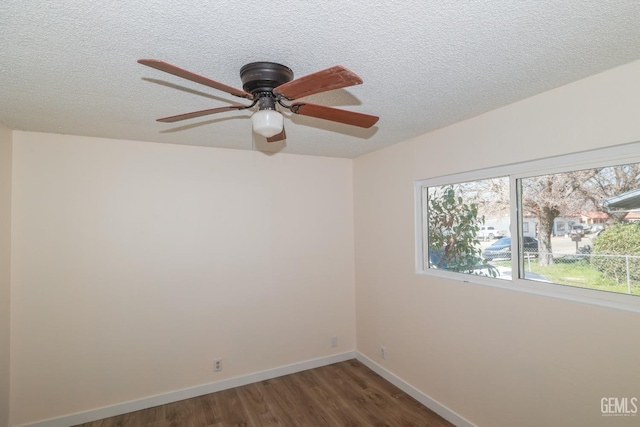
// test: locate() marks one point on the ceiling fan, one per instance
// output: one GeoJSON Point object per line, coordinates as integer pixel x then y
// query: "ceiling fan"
{"type": "Point", "coordinates": [268, 84]}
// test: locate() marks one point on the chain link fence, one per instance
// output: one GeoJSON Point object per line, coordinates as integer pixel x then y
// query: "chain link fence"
{"type": "Point", "coordinates": [622, 271]}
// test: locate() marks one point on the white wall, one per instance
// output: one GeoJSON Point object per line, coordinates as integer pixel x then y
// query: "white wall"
{"type": "Point", "coordinates": [5, 270]}
{"type": "Point", "coordinates": [496, 357]}
{"type": "Point", "coordinates": [136, 264]}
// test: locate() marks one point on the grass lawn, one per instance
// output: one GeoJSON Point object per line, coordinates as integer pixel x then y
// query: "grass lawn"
{"type": "Point", "coordinates": [579, 274]}
{"type": "Point", "coordinates": [582, 275]}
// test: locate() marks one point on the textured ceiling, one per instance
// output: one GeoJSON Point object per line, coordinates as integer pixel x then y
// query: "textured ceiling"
{"type": "Point", "coordinates": [70, 66]}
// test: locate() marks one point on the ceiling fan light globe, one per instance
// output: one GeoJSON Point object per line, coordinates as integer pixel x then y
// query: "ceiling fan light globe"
{"type": "Point", "coordinates": [267, 123]}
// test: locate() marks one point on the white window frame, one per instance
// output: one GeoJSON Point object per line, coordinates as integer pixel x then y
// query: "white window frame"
{"type": "Point", "coordinates": [602, 157]}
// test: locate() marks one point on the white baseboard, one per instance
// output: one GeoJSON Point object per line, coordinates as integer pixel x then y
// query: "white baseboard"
{"type": "Point", "coordinates": [427, 401]}
{"type": "Point", "coordinates": [187, 393]}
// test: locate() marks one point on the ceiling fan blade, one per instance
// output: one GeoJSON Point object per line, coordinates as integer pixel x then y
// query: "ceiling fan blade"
{"type": "Point", "coordinates": [279, 137]}
{"type": "Point", "coordinates": [201, 113]}
{"type": "Point", "coordinates": [334, 114]}
{"type": "Point", "coordinates": [332, 78]}
{"type": "Point", "coordinates": [177, 71]}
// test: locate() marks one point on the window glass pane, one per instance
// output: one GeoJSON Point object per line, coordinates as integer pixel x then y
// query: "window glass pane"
{"type": "Point", "coordinates": [587, 228]}
{"type": "Point", "coordinates": [462, 221]}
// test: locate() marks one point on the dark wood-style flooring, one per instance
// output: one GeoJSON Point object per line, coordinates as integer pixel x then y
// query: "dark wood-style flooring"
{"type": "Point", "coordinates": [343, 394]}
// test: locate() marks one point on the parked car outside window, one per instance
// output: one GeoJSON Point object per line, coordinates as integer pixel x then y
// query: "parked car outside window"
{"type": "Point", "coordinates": [501, 249]}
{"type": "Point", "coordinates": [489, 233]}
{"type": "Point", "coordinates": [577, 230]}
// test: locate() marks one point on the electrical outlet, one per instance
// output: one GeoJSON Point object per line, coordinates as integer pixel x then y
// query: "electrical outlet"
{"type": "Point", "coordinates": [217, 365]}
{"type": "Point", "coordinates": [334, 341]}
{"type": "Point", "coordinates": [383, 352]}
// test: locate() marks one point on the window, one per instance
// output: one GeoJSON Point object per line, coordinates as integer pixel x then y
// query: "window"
{"type": "Point", "coordinates": [581, 254]}
{"type": "Point", "coordinates": [458, 217]}
{"type": "Point", "coordinates": [567, 226]}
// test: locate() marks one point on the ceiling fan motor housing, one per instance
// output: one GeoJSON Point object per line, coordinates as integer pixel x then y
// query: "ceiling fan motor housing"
{"type": "Point", "coordinates": [264, 76]}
